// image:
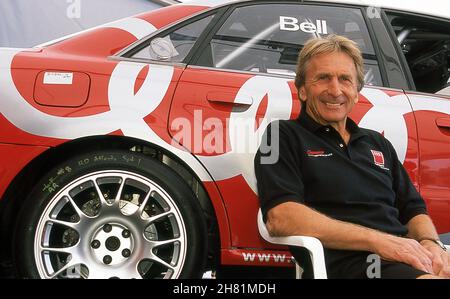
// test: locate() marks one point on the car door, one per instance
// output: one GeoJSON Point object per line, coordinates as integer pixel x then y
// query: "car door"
{"type": "Point", "coordinates": [425, 44]}
{"type": "Point", "coordinates": [433, 124]}
{"type": "Point", "coordinates": [241, 78]}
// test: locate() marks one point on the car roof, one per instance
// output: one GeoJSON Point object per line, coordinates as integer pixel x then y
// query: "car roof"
{"type": "Point", "coordinates": [438, 8]}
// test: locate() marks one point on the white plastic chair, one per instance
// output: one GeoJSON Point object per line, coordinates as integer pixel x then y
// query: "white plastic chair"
{"type": "Point", "coordinates": [313, 245]}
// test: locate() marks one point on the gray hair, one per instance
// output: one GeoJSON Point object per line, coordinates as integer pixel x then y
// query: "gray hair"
{"type": "Point", "coordinates": [329, 44]}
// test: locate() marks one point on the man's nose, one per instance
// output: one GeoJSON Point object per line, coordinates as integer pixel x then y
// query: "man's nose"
{"type": "Point", "coordinates": [334, 88]}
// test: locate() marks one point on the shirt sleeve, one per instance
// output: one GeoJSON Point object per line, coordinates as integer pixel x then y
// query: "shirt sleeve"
{"type": "Point", "coordinates": [408, 201]}
{"type": "Point", "coordinates": [277, 168]}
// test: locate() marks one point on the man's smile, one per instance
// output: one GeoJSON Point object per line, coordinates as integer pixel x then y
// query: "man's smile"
{"type": "Point", "coordinates": [333, 105]}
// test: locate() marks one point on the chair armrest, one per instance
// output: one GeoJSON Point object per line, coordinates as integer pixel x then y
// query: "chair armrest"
{"type": "Point", "coordinates": [313, 245]}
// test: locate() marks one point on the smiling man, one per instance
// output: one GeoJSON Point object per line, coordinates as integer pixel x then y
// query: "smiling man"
{"type": "Point", "coordinates": [343, 184]}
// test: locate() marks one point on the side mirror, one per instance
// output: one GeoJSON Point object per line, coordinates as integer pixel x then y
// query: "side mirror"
{"type": "Point", "coordinates": [161, 49]}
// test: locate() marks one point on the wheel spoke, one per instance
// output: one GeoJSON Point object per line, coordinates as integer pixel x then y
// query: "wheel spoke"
{"type": "Point", "coordinates": [79, 212]}
{"type": "Point", "coordinates": [119, 192]}
{"type": "Point", "coordinates": [71, 263]}
{"type": "Point", "coordinates": [68, 250]}
{"type": "Point", "coordinates": [155, 258]}
{"type": "Point", "coordinates": [155, 244]}
{"type": "Point", "coordinates": [157, 217]}
{"type": "Point", "coordinates": [130, 272]}
{"type": "Point", "coordinates": [71, 225]}
{"type": "Point", "coordinates": [100, 193]}
{"type": "Point", "coordinates": [144, 203]}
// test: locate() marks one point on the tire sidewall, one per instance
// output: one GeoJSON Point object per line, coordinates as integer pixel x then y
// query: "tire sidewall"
{"type": "Point", "coordinates": [63, 174]}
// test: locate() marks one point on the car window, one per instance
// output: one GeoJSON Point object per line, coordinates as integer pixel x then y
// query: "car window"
{"type": "Point", "coordinates": [174, 46]}
{"type": "Point", "coordinates": [425, 42]}
{"type": "Point", "coordinates": [267, 38]}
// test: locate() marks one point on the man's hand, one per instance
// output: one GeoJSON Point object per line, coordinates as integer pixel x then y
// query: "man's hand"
{"type": "Point", "coordinates": [403, 250]}
{"type": "Point", "coordinates": [440, 259]}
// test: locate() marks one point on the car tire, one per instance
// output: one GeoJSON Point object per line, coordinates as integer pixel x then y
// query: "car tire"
{"type": "Point", "coordinates": [111, 214]}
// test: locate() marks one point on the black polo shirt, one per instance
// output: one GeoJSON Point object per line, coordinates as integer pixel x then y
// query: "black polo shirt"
{"type": "Point", "coordinates": [362, 182]}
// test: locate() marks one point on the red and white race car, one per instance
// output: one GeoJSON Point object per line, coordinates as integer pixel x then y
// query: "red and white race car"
{"type": "Point", "coordinates": [127, 150]}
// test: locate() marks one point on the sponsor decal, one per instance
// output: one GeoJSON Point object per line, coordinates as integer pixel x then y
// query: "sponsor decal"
{"type": "Point", "coordinates": [378, 159]}
{"type": "Point", "coordinates": [58, 78]}
{"type": "Point", "coordinates": [292, 24]}
{"type": "Point", "coordinates": [319, 153]}
{"type": "Point", "coordinates": [266, 258]}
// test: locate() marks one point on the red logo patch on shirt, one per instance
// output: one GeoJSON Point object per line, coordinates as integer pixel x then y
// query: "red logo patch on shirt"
{"type": "Point", "coordinates": [378, 158]}
{"type": "Point", "coordinates": [318, 153]}
{"type": "Point", "coordinates": [315, 152]}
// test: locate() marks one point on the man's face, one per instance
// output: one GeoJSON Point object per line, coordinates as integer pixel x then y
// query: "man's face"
{"type": "Point", "coordinates": [330, 88]}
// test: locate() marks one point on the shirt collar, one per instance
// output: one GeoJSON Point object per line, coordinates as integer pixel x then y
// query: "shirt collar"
{"type": "Point", "coordinates": [311, 125]}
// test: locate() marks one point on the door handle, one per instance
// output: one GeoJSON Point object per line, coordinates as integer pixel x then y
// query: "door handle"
{"type": "Point", "coordinates": [443, 122]}
{"type": "Point", "coordinates": [228, 98]}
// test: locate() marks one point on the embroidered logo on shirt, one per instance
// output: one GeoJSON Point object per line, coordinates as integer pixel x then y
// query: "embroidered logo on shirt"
{"type": "Point", "coordinates": [319, 153]}
{"type": "Point", "coordinates": [378, 159]}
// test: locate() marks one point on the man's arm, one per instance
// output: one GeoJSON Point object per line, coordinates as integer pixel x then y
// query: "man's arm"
{"type": "Point", "coordinates": [292, 218]}
{"type": "Point", "coordinates": [421, 228]}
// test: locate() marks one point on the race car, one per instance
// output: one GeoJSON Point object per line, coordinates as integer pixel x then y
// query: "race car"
{"type": "Point", "coordinates": [126, 151]}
